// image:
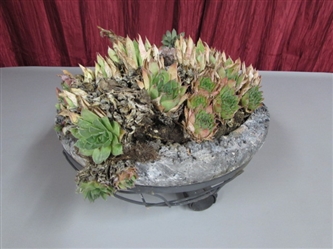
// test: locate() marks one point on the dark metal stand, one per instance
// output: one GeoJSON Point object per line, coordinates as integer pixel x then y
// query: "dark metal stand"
{"type": "Point", "coordinates": [198, 196]}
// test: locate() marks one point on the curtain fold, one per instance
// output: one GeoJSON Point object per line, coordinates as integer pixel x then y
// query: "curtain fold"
{"type": "Point", "coordinates": [269, 34]}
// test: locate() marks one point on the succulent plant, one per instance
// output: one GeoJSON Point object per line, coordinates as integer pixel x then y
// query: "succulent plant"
{"type": "Point", "coordinates": [200, 123]}
{"type": "Point", "coordinates": [198, 100]}
{"type": "Point", "coordinates": [138, 91]}
{"type": "Point", "coordinates": [93, 190]}
{"type": "Point", "coordinates": [226, 102]}
{"type": "Point", "coordinates": [252, 99]}
{"type": "Point", "coordinates": [97, 137]}
{"type": "Point", "coordinates": [126, 178]}
{"type": "Point", "coordinates": [169, 38]}
{"type": "Point", "coordinates": [126, 55]}
{"type": "Point", "coordinates": [163, 87]}
{"type": "Point", "coordinates": [105, 179]}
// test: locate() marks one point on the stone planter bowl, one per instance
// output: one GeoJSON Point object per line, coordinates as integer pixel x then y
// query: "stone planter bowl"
{"type": "Point", "coordinates": [198, 170]}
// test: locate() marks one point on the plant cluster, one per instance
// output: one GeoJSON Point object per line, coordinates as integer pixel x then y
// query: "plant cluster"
{"type": "Point", "coordinates": [137, 86]}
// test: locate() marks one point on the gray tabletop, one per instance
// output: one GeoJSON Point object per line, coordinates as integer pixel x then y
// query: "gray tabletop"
{"type": "Point", "coordinates": [283, 198]}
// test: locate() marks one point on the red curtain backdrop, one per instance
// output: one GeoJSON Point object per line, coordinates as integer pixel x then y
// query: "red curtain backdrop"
{"type": "Point", "coordinates": [284, 35]}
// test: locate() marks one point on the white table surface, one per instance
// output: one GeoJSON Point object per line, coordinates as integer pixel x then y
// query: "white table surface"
{"type": "Point", "coordinates": [283, 198]}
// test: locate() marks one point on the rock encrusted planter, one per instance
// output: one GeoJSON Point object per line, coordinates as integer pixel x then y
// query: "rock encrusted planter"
{"type": "Point", "coordinates": [194, 166]}
{"type": "Point", "coordinates": [181, 118]}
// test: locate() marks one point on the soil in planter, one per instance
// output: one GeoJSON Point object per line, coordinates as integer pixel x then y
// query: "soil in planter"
{"type": "Point", "coordinates": [148, 140]}
{"type": "Point", "coordinates": [240, 117]}
{"type": "Point", "coordinates": [141, 152]}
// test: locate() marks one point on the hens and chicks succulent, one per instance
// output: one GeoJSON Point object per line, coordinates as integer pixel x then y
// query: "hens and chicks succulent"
{"type": "Point", "coordinates": [137, 85]}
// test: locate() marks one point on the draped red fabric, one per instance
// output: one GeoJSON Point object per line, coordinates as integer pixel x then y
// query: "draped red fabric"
{"type": "Point", "coordinates": [288, 35]}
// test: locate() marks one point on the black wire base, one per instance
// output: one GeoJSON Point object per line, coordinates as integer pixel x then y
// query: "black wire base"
{"type": "Point", "coordinates": [198, 196]}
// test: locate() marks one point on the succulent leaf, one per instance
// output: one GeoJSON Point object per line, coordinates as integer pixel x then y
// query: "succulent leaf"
{"type": "Point", "coordinates": [137, 53]}
{"type": "Point", "coordinates": [113, 56]}
{"type": "Point", "coordinates": [221, 72]}
{"type": "Point", "coordinates": [117, 148]}
{"type": "Point", "coordinates": [86, 152]}
{"type": "Point", "coordinates": [99, 155]}
{"type": "Point", "coordinates": [153, 67]}
{"type": "Point", "coordinates": [147, 44]}
{"type": "Point", "coordinates": [200, 48]}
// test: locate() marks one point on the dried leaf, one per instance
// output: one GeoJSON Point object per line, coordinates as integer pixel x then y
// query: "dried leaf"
{"type": "Point", "coordinates": [172, 70]}
{"type": "Point", "coordinates": [68, 73]}
{"type": "Point", "coordinates": [65, 94]}
{"type": "Point", "coordinates": [88, 74]}
{"type": "Point", "coordinates": [74, 117]}
{"type": "Point", "coordinates": [131, 54]}
{"type": "Point", "coordinates": [143, 52]}
{"type": "Point", "coordinates": [78, 92]}
{"type": "Point", "coordinates": [83, 103]}
{"type": "Point", "coordinates": [140, 84]}
{"type": "Point", "coordinates": [146, 80]}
